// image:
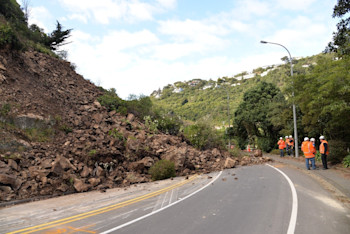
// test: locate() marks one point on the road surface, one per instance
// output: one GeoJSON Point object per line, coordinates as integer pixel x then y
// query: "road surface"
{"type": "Point", "coordinates": [252, 199]}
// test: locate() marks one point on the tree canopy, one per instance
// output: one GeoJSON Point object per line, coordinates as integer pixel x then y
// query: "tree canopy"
{"type": "Point", "coordinates": [341, 38]}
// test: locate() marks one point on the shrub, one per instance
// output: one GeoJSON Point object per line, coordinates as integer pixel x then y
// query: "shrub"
{"type": "Point", "coordinates": [162, 169]}
{"type": "Point", "coordinates": [8, 37]}
{"type": "Point", "coordinates": [151, 125]}
{"type": "Point", "coordinates": [275, 151]}
{"type": "Point", "coordinates": [318, 156]}
{"type": "Point", "coordinates": [203, 136]}
{"type": "Point", "coordinates": [5, 109]}
{"type": "Point", "coordinates": [111, 100]}
{"type": "Point", "coordinates": [39, 134]}
{"type": "Point", "coordinates": [337, 151]}
{"type": "Point", "coordinates": [116, 134]}
{"type": "Point", "coordinates": [265, 144]}
{"type": "Point", "coordinates": [66, 128]}
{"type": "Point", "coordinates": [346, 161]}
{"type": "Point", "coordinates": [169, 124]}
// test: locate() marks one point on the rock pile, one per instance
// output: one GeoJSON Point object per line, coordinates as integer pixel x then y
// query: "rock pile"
{"type": "Point", "coordinates": [89, 148]}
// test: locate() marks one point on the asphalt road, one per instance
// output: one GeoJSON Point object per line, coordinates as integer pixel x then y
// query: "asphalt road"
{"type": "Point", "coordinates": [253, 199]}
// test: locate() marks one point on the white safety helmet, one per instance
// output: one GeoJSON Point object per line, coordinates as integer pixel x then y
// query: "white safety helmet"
{"type": "Point", "coordinates": [312, 139]}
{"type": "Point", "coordinates": [286, 136]}
{"type": "Point", "coordinates": [281, 138]}
{"type": "Point", "coordinates": [321, 137]}
{"type": "Point", "coordinates": [290, 136]}
{"type": "Point", "coordinates": [306, 139]}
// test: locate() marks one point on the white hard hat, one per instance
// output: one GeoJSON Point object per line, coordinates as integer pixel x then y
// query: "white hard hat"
{"type": "Point", "coordinates": [312, 139]}
{"type": "Point", "coordinates": [281, 138]}
{"type": "Point", "coordinates": [321, 137]}
{"type": "Point", "coordinates": [286, 136]}
{"type": "Point", "coordinates": [306, 139]}
{"type": "Point", "coordinates": [290, 136]}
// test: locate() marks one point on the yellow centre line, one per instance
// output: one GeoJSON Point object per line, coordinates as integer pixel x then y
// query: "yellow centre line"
{"type": "Point", "coordinates": [101, 210]}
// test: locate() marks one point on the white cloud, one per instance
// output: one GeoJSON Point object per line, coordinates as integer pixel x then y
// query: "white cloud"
{"type": "Point", "coordinates": [295, 4]}
{"type": "Point", "coordinates": [40, 16]}
{"type": "Point", "coordinates": [167, 4]}
{"type": "Point", "coordinates": [103, 11]}
{"type": "Point", "coordinates": [79, 17]}
{"type": "Point", "coordinates": [248, 9]}
{"type": "Point", "coordinates": [190, 37]}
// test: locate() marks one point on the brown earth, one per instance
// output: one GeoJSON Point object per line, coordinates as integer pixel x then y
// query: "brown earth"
{"type": "Point", "coordinates": [57, 139]}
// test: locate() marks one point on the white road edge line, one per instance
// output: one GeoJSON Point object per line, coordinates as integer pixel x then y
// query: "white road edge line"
{"type": "Point", "coordinates": [293, 217]}
{"type": "Point", "coordinates": [163, 208]}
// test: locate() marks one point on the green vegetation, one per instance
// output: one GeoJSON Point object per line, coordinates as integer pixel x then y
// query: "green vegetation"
{"type": "Point", "coordinates": [163, 169]}
{"type": "Point", "coordinates": [16, 34]}
{"type": "Point", "coordinates": [116, 134]}
{"type": "Point", "coordinates": [346, 161]}
{"type": "Point", "coordinates": [39, 134]}
{"type": "Point", "coordinates": [66, 128]}
{"type": "Point", "coordinates": [252, 122]}
{"type": "Point", "coordinates": [202, 135]}
{"type": "Point", "coordinates": [341, 39]}
{"type": "Point", "coordinates": [92, 152]}
{"type": "Point", "coordinates": [261, 107]}
{"type": "Point", "coordinates": [5, 109]}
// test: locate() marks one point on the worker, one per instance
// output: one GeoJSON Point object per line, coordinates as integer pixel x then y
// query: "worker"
{"type": "Point", "coordinates": [287, 145]}
{"type": "Point", "coordinates": [309, 152]}
{"type": "Point", "coordinates": [313, 142]}
{"type": "Point", "coordinates": [281, 145]}
{"type": "Point", "coordinates": [324, 151]}
{"type": "Point", "coordinates": [291, 145]}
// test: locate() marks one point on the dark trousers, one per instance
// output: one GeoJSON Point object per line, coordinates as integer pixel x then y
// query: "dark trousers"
{"type": "Point", "coordinates": [324, 160]}
{"type": "Point", "coordinates": [281, 153]}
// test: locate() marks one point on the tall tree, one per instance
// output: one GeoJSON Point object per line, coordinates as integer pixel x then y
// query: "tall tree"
{"type": "Point", "coordinates": [341, 38]}
{"type": "Point", "coordinates": [58, 37]}
{"type": "Point", "coordinates": [324, 98]}
{"type": "Point", "coordinates": [251, 118]}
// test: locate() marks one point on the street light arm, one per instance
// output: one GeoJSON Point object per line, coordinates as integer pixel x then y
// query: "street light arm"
{"type": "Point", "coordinates": [267, 42]}
{"type": "Point", "coordinates": [294, 111]}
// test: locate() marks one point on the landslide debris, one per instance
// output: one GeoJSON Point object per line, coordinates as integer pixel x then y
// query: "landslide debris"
{"type": "Point", "coordinates": [57, 139]}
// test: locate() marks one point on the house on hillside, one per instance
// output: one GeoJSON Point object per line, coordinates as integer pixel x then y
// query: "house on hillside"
{"type": "Point", "coordinates": [208, 86]}
{"type": "Point", "coordinates": [193, 83]}
{"type": "Point", "coordinates": [248, 76]}
{"type": "Point", "coordinates": [178, 90]}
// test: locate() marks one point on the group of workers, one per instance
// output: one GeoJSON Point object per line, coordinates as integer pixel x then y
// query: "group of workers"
{"type": "Point", "coordinates": [287, 145]}
{"type": "Point", "coordinates": [309, 149]}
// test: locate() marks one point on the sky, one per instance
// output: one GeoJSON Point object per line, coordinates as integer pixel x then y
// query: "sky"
{"type": "Point", "coordinates": [138, 46]}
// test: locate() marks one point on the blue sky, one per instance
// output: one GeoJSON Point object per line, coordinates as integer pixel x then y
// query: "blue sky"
{"type": "Point", "coordinates": [138, 46]}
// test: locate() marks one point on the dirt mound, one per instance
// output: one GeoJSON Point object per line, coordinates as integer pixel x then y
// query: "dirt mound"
{"type": "Point", "coordinates": [58, 139]}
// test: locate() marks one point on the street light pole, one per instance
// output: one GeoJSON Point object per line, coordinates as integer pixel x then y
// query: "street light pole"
{"type": "Point", "coordinates": [294, 111]}
{"type": "Point", "coordinates": [228, 114]}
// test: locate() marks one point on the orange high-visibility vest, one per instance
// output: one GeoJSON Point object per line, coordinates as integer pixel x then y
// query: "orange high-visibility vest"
{"type": "Point", "coordinates": [281, 144]}
{"type": "Point", "coordinates": [309, 149]}
{"type": "Point", "coordinates": [287, 141]}
{"type": "Point", "coordinates": [291, 142]}
{"type": "Point", "coordinates": [322, 147]}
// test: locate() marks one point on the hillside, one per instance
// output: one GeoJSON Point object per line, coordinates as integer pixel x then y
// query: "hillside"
{"type": "Point", "coordinates": [197, 98]}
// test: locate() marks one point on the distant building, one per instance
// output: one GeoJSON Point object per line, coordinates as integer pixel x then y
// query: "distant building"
{"type": "Point", "coordinates": [194, 83]}
{"type": "Point", "coordinates": [208, 86]}
{"type": "Point", "coordinates": [178, 90]}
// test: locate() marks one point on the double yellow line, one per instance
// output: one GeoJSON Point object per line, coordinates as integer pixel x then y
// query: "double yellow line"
{"type": "Point", "coordinates": [101, 210]}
